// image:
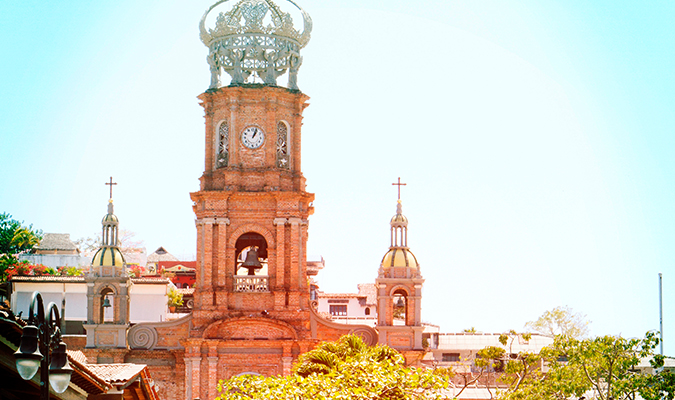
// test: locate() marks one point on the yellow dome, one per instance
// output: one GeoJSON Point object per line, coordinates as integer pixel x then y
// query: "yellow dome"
{"type": "Point", "coordinates": [399, 218]}
{"type": "Point", "coordinates": [109, 218]}
{"type": "Point", "coordinates": [399, 257]}
{"type": "Point", "coordinates": [108, 256]}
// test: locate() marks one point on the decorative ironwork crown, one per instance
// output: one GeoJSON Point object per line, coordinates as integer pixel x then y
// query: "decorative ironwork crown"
{"type": "Point", "coordinates": [243, 43]}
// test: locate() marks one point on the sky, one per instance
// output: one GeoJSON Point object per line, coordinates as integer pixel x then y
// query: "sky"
{"type": "Point", "coordinates": [535, 138]}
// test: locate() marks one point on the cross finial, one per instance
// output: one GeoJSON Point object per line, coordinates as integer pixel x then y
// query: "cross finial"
{"type": "Point", "coordinates": [111, 183]}
{"type": "Point", "coordinates": [399, 184]}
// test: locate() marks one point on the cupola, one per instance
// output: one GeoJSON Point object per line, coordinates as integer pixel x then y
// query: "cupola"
{"type": "Point", "coordinates": [109, 253]}
{"type": "Point", "coordinates": [399, 255]}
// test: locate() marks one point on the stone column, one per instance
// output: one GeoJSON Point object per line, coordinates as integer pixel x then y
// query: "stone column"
{"type": "Point", "coordinates": [279, 285]}
{"type": "Point", "coordinates": [418, 305]}
{"type": "Point", "coordinates": [293, 296]}
{"type": "Point", "coordinates": [188, 377]}
{"type": "Point", "coordinates": [221, 267]}
{"type": "Point", "coordinates": [90, 302]}
{"type": "Point", "coordinates": [213, 373]}
{"type": "Point", "coordinates": [199, 284]}
{"type": "Point", "coordinates": [207, 289]}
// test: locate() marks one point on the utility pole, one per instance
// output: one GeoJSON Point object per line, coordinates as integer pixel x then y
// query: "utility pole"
{"type": "Point", "coordinates": [661, 309]}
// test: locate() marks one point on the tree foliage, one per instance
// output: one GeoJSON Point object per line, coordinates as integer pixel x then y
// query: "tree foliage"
{"type": "Point", "coordinates": [601, 368]}
{"type": "Point", "coordinates": [16, 238]}
{"type": "Point", "coordinates": [345, 369]}
{"type": "Point", "coordinates": [561, 321]}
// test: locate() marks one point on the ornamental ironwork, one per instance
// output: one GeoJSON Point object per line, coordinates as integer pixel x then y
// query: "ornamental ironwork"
{"type": "Point", "coordinates": [282, 146]}
{"type": "Point", "coordinates": [223, 153]}
{"type": "Point", "coordinates": [255, 38]}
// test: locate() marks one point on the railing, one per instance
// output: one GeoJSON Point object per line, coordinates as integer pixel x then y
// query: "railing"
{"type": "Point", "coordinates": [251, 283]}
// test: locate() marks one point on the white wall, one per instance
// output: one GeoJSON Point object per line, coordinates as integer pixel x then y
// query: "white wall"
{"type": "Point", "coordinates": [74, 294]}
{"type": "Point", "coordinates": [148, 303]}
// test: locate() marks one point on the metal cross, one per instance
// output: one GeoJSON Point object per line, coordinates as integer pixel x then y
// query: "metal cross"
{"type": "Point", "coordinates": [399, 184]}
{"type": "Point", "coordinates": [111, 185]}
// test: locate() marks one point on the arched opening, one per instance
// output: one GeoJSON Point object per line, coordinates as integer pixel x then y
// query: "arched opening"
{"type": "Point", "coordinates": [247, 243]}
{"type": "Point", "coordinates": [367, 311]}
{"type": "Point", "coordinates": [400, 305]}
{"type": "Point", "coordinates": [107, 305]}
{"type": "Point", "coordinates": [251, 270]}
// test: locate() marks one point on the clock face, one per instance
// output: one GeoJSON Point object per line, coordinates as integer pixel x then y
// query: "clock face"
{"type": "Point", "coordinates": [252, 137]}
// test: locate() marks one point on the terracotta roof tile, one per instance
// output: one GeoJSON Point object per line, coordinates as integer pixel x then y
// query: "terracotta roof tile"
{"type": "Point", "coordinates": [48, 278]}
{"type": "Point", "coordinates": [116, 373]}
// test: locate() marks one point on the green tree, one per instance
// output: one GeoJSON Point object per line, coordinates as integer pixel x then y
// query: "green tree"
{"type": "Point", "coordinates": [345, 369]}
{"type": "Point", "coordinates": [561, 321]}
{"type": "Point", "coordinates": [600, 368]}
{"type": "Point", "coordinates": [16, 238]}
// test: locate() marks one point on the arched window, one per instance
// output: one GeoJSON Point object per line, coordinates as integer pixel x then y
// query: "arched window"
{"type": "Point", "coordinates": [367, 310]}
{"type": "Point", "coordinates": [283, 155]}
{"type": "Point", "coordinates": [107, 303]}
{"type": "Point", "coordinates": [222, 144]}
{"type": "Point", "coordinates": [251, 263]}
{"type": "Point", "coordinates": [400, 299]}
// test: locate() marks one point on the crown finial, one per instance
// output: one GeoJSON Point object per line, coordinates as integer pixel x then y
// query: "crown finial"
{"type": "Point", "coordinates": [245, 45]}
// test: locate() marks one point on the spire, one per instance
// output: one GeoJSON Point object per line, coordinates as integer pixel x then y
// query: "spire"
{"type": "Point", "coordinates": [109, 253]}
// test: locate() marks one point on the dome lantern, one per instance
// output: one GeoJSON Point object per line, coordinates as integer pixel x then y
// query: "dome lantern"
{"type": "Point", "coordinates": [399, 255]}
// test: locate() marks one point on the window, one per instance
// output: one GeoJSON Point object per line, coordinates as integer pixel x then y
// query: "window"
{"type": "Point", "coordinates": [339, 310]}
{"type": "Point", "coordinates": [367, 310]}
{"type": "Point", "coordinates": [283, 160]}
{"type": "Point", "coordinates": [450, 357]}
{"type": "Point", "coordinates": [223, 146]}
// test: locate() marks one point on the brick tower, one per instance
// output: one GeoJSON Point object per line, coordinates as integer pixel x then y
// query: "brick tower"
{"type": "Point", "coordinates": [252, 311]}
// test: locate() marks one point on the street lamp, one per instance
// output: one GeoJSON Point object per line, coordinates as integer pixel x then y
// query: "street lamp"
{"type": "Point", "coordinates": [41, 348]}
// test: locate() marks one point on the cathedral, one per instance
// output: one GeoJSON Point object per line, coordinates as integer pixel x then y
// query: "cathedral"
{"type": "Point", "coordinates": [254, 307]}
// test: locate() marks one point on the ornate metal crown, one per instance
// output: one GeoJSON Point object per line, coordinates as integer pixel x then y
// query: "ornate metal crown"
{"type": "Point", "coordinates": [244, 43]}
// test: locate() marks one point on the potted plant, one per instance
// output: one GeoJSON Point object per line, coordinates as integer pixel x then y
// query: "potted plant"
{"type": "Point", "coordinates": [175, 299]}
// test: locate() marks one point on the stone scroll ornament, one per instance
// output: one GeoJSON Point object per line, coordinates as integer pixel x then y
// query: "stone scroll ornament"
{"type": "Point", "coordinates": [255, 38]}
{"type": "Point", "coordinates": [141, 337]}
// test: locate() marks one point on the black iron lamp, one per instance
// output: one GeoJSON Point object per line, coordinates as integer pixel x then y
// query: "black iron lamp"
{"type": "Point", "coordinates": [41, 348]}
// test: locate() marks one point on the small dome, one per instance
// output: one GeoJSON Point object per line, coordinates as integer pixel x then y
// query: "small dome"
{"type": "Point", "coordinates": [399, 218]}
{"type": "Point", "coordinates": [108, 218]}
{"type": "Point", "coordinates": [108, 256]}
{"type": "Point", "coordinates": [399, 257]}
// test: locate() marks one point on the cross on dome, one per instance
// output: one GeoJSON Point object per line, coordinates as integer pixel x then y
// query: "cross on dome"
{"type": "Point", "coordinates": [399, 184]}
{"type": "Point", "coordinates": [111, 183]}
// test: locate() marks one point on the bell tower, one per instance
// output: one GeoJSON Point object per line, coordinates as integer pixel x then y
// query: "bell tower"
{"type": "Point", "coordinates": [108, 288]}
{"type": "Point", "coordinates": [399, 289]}
{"type": "Point", "coordinates": [252, 308]}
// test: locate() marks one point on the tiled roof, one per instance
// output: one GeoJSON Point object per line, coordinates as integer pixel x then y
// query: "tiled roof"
{"type": "Point", "coordinates": [370, 291]}
{"type": "Point", "coordinates": [161, 255]}
{"type": "Point", "coordinates": [340, 295]}
{"type": "Point", "coordinates": [56, 241]}
{"type": "Point", "coordinates": [151, 280]}
{"type": "Point", "coordinates": [116, 373]}
{"type": "Point", "coordinates": [48, 278]}
{"type": "Point", "coordinates": [186, 291]}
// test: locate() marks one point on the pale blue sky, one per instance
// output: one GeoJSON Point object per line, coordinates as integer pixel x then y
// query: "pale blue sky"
{"type": "Point", "coordinates": [536, 138]}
